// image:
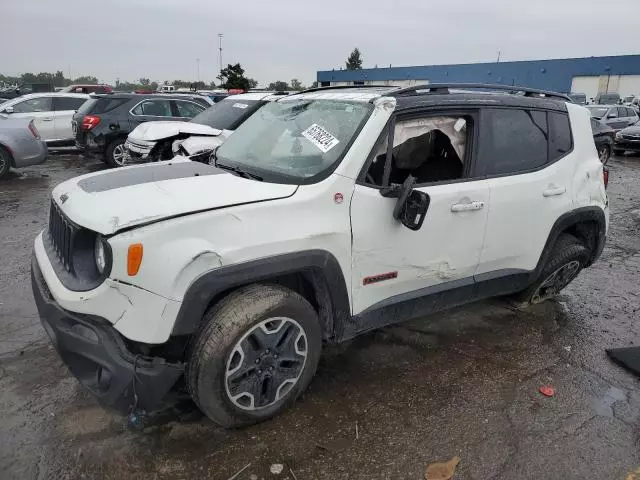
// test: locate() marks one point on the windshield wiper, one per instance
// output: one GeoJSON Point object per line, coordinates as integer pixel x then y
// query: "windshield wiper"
{"type": "Point", "coordinates": [239, 172]}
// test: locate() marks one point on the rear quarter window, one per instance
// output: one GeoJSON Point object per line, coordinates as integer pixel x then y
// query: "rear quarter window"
{"type": "Point", "coordinates": [101, 105]}
{"type": "Point", "coordinates": [560, 138]}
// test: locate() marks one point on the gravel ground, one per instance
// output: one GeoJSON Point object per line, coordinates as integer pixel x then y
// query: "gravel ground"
{"type": "Point", "coordinates": [385, 405]}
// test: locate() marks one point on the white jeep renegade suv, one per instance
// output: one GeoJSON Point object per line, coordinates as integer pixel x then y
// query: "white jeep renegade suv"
{"type": "Point", "coordinates": [327, 214]}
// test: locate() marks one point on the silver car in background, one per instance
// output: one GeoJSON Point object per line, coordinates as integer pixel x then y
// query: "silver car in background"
{"type": "Point", "coordinates": [20, 144]}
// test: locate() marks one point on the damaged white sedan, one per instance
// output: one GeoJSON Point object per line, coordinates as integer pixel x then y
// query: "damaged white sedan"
{"type": "Point", "coordinates": [197, 138]}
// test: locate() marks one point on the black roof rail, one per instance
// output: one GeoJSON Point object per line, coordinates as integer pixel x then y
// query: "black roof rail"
{"type": "Point", "coordinates": [439, 88]}
{"type": "Point", "coordinates": [338, 87]}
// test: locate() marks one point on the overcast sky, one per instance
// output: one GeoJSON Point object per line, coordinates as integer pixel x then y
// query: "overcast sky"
{"type": "Point", "coordinates": [285, 39]}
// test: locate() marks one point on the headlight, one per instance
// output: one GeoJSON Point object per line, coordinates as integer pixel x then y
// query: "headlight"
{"type": "Point", "coordinates": [618, 135]}
{"type": "Point", "coordinates": [101, 259]}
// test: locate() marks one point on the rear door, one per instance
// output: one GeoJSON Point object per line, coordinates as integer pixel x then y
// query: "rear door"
{"type": "Point", "coordinates": [40, 109]}
{"type": "Point", "coordinates": [151, 109]}
{"type": "Point", "coordinates": [522, 153]}
{"type": "Point", "coordinates": [632, 117]}
{"type": "Point", "coordinates": [64, 107]}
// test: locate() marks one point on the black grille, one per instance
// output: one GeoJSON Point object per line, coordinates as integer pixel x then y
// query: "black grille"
{"type": "Point", "coordinates": [631, 137]}
{"type": "Point", "coordinates": [62, 234]}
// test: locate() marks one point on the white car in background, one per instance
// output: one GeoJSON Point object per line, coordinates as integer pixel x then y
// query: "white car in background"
{"type": "Point", "coordinates": [155, 141]}
{"type": "Point", "coordinates": [51, 114]}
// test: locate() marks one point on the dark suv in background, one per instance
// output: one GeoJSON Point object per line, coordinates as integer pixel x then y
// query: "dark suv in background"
{"type": "Point", "coordinates": [102, 124]}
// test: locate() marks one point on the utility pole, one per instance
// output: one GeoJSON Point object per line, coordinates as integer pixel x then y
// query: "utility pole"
{"type": "Point", "coordinates": [220, 50]}
{"type": "Point", "coordinates": [198, 69]}
{"type": "Point", "coordinates": [498, 61]}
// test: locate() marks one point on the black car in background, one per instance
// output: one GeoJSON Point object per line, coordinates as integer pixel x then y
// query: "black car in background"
{"type": "Point", "coordinates": [603, 136]}
{"type": "Point", "coordinates": [627, 140]}
{"type": "Point", "coordinates": [102, 124]}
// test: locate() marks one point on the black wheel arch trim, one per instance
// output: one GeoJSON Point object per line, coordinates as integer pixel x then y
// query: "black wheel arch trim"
{"type": "Point", "coordinates": [320, 268]}
{"type": "Point", "coordinates": [570, 219]}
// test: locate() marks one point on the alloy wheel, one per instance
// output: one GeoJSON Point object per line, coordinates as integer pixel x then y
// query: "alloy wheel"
{"type": "Point", "coordinates": [556, 281]}
{"type": "Point", "coordinates": [119, 154]}
{"type": "Point", "coordinates": [266, 363]}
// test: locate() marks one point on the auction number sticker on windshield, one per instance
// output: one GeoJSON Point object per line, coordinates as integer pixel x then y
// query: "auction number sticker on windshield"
{"type": "Point", "coordinates": [240, 105]}
{"type": "Point", "coordinates": [320, 138]}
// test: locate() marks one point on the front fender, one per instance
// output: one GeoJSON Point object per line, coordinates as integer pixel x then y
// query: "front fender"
{"type": "Point", "coordinates": [321, 265]}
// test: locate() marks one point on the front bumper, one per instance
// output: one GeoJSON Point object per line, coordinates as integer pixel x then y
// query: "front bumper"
{"type": "Point", "coordinates": [98, 356]}
{"type": "Point", "coordinates": [627, 144]}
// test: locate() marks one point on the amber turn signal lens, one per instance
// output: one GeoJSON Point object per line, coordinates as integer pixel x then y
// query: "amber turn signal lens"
{"type": "Point", "coordinates": [134, 259]}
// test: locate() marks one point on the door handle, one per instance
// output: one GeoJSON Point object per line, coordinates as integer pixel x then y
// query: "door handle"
{"type": "Point", "coordinates": [47, 119]}
{"type": "Point", "coordinates": [554, 190]}
{"type": "Point", "coordinates": [467, 207]}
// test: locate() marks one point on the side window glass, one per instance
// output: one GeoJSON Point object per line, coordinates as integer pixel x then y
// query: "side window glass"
{"type": "Point", "coordinates": [63, 104]}
{"type": "Point", "coordinates": [33, 105]}
{"type": "Point", "coordinates": [154, 108]}
{"type": "Point", "coordinates": [188, 109]}
{"type": "Point", "coordinates": [515, 141]}
{"type": "Point", "coordinates": [560, 141]}
{"type": "Point", "coordinates": [622, 112]}
{"type": "Point", "coordinates": [431, 149]}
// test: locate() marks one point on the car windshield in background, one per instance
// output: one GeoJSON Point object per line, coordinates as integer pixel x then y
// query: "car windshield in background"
{"type": "Point", "coordinates": [598, 112]}
{"type": "Point", "coordinates": [292, 141]}
{"type": "Point", "coordinates": [227, 114]}
{"type": "Point", "coordinates": [101, 105]}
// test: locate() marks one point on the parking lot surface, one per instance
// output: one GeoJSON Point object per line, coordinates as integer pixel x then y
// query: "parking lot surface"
{"type": "Point", "coordinates": [462, 383]}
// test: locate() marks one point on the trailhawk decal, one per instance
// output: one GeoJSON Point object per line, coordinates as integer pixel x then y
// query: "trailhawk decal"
{"type": "Point", "coordinates": [320, 138]}
{"type": "Point", "coordinates": [379, 278]}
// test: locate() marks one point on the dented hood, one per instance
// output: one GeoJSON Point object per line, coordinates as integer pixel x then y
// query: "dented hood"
{"type": "Point", "coordinates": [107, 202]}
{"type": "Point", "coordinates": [153, 131]}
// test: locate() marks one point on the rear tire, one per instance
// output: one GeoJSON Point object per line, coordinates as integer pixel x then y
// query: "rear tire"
{"type": "Point", "coordinates": [114, 155]}
{"type": "Point", "coordinates": [5, 161]}
{"type": "Point", "coordinates": [567, 259]}
{"type": "Point", "coordinates": [604, 153]}
{"type": "Point", "coordinates": [255, 353]}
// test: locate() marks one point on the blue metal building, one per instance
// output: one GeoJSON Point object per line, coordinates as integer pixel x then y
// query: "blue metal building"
{"type": "Point", "coordinates": [589, 75]}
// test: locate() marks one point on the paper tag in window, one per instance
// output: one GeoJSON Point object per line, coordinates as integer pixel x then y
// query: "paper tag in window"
{"type": "Point", "coordinates": [240, 105]}
{"type": "Point", "coordinates": [460, 124]}
{"type": "Point", "coordinates": [320, 138]}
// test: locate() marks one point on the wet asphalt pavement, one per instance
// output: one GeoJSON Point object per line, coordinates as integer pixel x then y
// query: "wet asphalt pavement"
{"type": "Point", "coordinates": [383, 406]}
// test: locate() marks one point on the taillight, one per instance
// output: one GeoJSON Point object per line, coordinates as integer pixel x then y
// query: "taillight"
{"type": "Point", "coordinates": [605, 176]}
{"type": "Point", "coordinates": [90, 121]}
{"type": "Point", "coordinates": [34, 130]}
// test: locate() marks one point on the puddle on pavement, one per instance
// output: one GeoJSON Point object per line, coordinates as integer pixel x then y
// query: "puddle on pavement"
{"type": "Point", "coordinates": [603, 405]}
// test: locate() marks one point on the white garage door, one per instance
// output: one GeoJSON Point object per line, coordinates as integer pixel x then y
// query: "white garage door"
{"type": "Point", "coordinates": [629, 85]}
{"type": "Point", "coordinates": [586, 85]}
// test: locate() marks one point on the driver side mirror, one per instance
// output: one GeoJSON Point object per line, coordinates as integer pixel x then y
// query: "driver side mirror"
{"type": "Point", "coordinates": [411, 206]}
{"type": "Point", "coordinates": [8, 110]}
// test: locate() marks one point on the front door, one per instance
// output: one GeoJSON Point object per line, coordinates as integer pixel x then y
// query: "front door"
{"type": "Point", "coordinates": [391, 263]}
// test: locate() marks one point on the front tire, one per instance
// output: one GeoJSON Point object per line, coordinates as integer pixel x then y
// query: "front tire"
{"type": "Point", "coordinates": [114, 154]}
{"type": "Point", "coordinates": [568, 258]}
{"type": "Point", "coordinates": [256, 352]}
